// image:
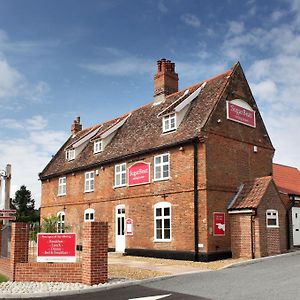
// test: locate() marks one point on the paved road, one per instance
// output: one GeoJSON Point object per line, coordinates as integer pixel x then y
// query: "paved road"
{"type": "Point", "coordinates": [129, 293]}
{"type": "Point", "coordinates": [277, 278]}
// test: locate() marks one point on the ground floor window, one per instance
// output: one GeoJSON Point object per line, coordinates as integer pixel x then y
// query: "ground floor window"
{"type": "Point", "coordinates": [61, 222]}
{"type": "Point", "coordinates": [89, 215]}
{"type": "Point", "coordinates": [272, 218]}
{"type": "Point", "coordinates": [162, 222]}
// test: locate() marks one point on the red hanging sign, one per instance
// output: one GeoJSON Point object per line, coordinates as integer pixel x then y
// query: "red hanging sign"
{"type": "Point", "coordinates": [219, 223]}
{"type": "Point", "coordinates": [139, 173]}
{"type": "Point", "coordinates": [241, 114]}
{"type": "Point", "coordinates": [56, 247]}
{"type": "Point", "coordinates": [129, 226]}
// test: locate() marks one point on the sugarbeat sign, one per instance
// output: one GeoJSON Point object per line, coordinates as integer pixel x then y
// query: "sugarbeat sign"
{"type": "Point", "coordinates": [56, 247]}
{"type": "Point", "coordinates": [139, 173]}
{"type": "Point", "coordinates": [240, 111]}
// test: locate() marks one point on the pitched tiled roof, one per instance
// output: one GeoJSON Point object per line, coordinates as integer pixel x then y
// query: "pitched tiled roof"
{"type": "Point", "coordinates": [287, 179]}
{"type": "Point", "coordinates": [251, 193]}
{"type": "Point", "coordinates": [143, 129]}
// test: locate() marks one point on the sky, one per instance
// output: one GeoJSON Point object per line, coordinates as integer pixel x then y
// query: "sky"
{"type": "Point", "coordinates": [96, 59]}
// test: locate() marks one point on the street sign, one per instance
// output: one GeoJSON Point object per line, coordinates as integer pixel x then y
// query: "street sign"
{"type": "Point", "coordinates": [7, 214]}
{"type": "Point", "coordinates": [10, 218]}
{"type": "Point", "coordinates": [8, 211]}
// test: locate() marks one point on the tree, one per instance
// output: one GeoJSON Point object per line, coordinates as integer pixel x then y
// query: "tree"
{"type": "Point", "coordinates": [24, 205]}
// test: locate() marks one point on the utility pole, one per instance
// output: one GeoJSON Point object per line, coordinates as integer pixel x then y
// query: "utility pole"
{"type": "Point", "coordinates": [7, 187]}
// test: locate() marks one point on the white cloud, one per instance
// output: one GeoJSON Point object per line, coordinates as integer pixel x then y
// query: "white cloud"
{"type": "Point", "coordinates": [277, 15]}
{"type": "Point", "coordinates": [10, 124]}
{"type": "Point", "coordinates": [236, 27]}
{"type": "Point", "coordinates": [162, 7]}
{"type": "Point", "coordinates": [122, 66]}
{"type": "Point", "coordinates": [266, 89]}
{"type": "Point", "coordinates": [191, 20]}
{"type": "Point", "coordinates": [36, 123]}
{"type": "Point", "coordinates": [10, 80]}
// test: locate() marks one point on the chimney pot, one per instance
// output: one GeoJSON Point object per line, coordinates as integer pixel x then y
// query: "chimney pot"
{"type": "Point", "coordinates": [165, 80]}
{"type": "Point", "coordinates": [76, 126]}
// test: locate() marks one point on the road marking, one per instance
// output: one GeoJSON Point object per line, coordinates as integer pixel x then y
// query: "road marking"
{"type": "Point", "coordinates": [151, 297]}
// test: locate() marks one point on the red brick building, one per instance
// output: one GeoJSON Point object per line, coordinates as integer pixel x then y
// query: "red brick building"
{"type": "Point", "coordinates": [287, 180]}
{"type": "Point", "coordinates": [171, 167]}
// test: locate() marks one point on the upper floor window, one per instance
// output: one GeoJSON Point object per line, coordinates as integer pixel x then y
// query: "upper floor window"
{"type": "Point", "coordinates": [61, 222]}
{"type": "Point", "coordinates": [70, 154]}
{"type": "Point", "coordinates": [162, 166]}
{"type": "Point", "coordinates": [62, 186]}
{"type": "Point", "coordinates": [162, 222]}
{"type": "Point", "coordinates": [272, 218]}
{"type": "Point", "coordinates": [169, 122]}
{"type": "Point", "coordinates": [89, 215]}
{"type": "Point", "coordinates": [120, 175]}
{"type": "Point", "coordinates": [97, 146]}
{"type": "Point", "coordinates": [89, 182]}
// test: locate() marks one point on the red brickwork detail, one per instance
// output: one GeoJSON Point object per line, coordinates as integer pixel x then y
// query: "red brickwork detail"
{"type": "Point", "coordinates": [92, 270]}
{"type": "Point", "coordinates": [94, 256]}
{"type": "Point", "coordinates": [43, 272]}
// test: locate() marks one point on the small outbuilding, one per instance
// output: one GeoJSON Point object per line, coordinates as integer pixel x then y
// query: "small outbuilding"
{"type": "Point", "coordinates": [258, 220]}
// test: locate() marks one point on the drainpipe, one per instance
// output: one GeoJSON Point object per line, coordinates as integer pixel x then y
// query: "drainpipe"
{"type": "Point", "coordinates": [196, 224]}
{"type": "Point", "coordinates": [253, 235]}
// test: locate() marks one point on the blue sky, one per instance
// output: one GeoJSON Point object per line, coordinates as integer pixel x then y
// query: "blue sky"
{"type": "Point", "coordinates": [96, 59]}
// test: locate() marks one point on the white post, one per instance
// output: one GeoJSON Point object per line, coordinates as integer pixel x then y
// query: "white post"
{"type": "Point", "coordinates": [7, 187]}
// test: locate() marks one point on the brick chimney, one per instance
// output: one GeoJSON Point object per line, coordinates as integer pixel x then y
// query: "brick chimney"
{"type": "Point", "coordinates": [165, 80]}
{"type": "Point", "coordinates": [76, 126]}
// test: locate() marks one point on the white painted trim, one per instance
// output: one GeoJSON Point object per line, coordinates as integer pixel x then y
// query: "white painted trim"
{"type": "Point", "coordinates": [162, 205]}
{"type": "Point", "coordinates": [89, 211]}
{"type": "Point", "coordinates": [117, 125]}
{"type": "Point", "coordinates": [120, 173]}
{"type": "Point", "coordinates": [164, 122]}
{"type": "Point", "coordinates": [272, 218]}
{"type": "Point", "coordinates": [90, 180]}
{"type": "Point", "coordinates": [60, 185]}
{"type": "Point", "coordinates": [154, 165]}
{"type": "Point", "coordinates": [240, 211]}
{"type": "Point", "coordinates": [86, 137]}
{"type": "Point", "coordinates": [190, 98]}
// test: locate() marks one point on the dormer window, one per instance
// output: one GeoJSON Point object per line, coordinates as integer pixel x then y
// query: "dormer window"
{"type": "Point", "coordinates": [70, 154]}
{"type": "Point", "coordinates": [169, 122]}
{"type": "Point", "coordinates": [97, 146]}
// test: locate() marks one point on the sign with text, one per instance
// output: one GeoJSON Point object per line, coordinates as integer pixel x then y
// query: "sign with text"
{"type": "Point", "coordinates": [139, 173]}
{"type": "Point", "coordinates": [237, 111]}
{"type": "Point", "coordinates": [219, 223]}
{"type": "Point", "coordinates": [56, 247]}
{"type": "Point", "coordinates": [8, 214]}
{"type": "Point", "coordinates": [129, 226]}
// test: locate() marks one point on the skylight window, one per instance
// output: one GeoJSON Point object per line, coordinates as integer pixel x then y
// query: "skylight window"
{"type": "Point", "coordinates": [169, 123]}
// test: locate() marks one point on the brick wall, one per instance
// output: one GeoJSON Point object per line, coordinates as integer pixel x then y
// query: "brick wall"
{"type": "Point", "coordinates": [92, 270]}
{"type": "Point", "coordinates": [241, 235]}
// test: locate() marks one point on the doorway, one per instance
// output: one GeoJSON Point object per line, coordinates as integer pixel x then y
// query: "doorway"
{"type": "Point", "coordinates": [120, 228]}
{"type": "Point", "coordinates": [296, 225]}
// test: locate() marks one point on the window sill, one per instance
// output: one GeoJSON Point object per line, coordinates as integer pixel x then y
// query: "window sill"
{"type": "Point", "coordinates": [61, 195]}
{"type": "Point", "coordinates": [277, 226]}
{"type": "Point", "coordinates": [119, 186]}
{"type": "Point", "coordinates": [89, 191]}
{"type": "Point", "coordinates": [162, 241]}
{"type": "Point", "coordinates": [161, 179]}
{"type": "Point", "coordinates": [169, 131]}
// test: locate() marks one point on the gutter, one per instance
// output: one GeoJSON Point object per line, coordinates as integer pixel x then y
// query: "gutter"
{"type": "Point", "coordinates": [196, 221]}
{"type": "Point", "coordinates": [116, 159]}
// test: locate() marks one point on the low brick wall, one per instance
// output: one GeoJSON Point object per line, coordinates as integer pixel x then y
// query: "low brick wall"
{"type": "Point", "coordinates": [59, 272]}
{"type": "Point", "coordinates": [5, 267]}
{"type": "Point", "coordinates": [92, 270]}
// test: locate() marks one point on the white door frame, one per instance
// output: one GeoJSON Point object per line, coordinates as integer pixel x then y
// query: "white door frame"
{"type": "Point", "coordinates": [120, 228]}
{"type": "Point", "coordinates": [296, 225]}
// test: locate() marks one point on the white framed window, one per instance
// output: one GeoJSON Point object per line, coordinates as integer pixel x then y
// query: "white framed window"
{"type": "Point", "coordinates": [70, 154]}
{"type": "Point", "coordinates": [272, 218]}
{"type": "Point", "coordinates": [97, 146]}
{"type": "Point", "coordinates": [162, 166]}
{"type": "Point", "coordinates": [89, 215]}
{"type": "Point", "coordinates": [162, 222]}
{"type": "Point", "coordinates": [120, 175]}
{"type": "Point", "coordinates": [61, 222]}
{"type": "Point", "coordinates": [89, 181]}
{"type": "Point", "coordinates": [62, 186]}
{"type": "Point", "coordinates": [169, 122]}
